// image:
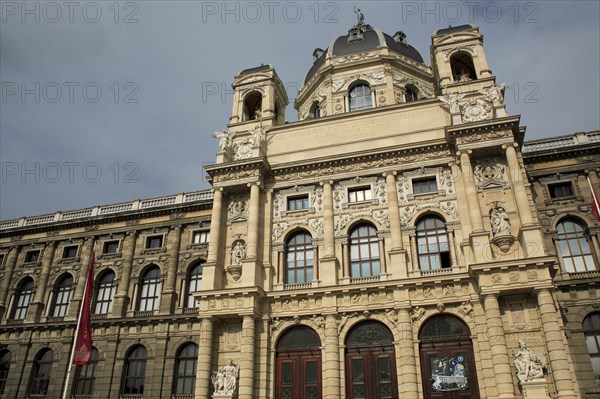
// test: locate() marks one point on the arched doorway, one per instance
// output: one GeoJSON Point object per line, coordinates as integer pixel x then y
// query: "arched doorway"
{"type": "Point", "coordinates": [447, 361]}
{"type": "Point", "coordinates": [370, 362]}
{"type": "Point", "coordinates": [298, 362]}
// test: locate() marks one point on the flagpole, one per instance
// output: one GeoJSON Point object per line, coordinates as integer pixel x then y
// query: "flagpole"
{"type": "Point", "coordinates": [594, 198]}
{"type": "Point", "coordinates": [73, 345]}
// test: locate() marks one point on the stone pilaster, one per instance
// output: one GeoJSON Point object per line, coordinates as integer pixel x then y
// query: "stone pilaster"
{"type": "Point", "coordinates": [36, 308]}
{"type": "Point", "coordinates": [204, 366]}
{"type": "Point", "coordinates": [498, 348]}
{"type": "Point", "coordinates": [471, 191]}
{"type": "Point", "coordinates": [251, 270]}
{"type": "Point", "coordinates": [168, 299]}
{"type": "Point", "coordinates": [11, 262]}
{"type": "Point", "coordinates": [328, 261]}
{"type": "Point", "coordinates": [555, 344]}
{"type": "Point", "coordinates": [398, 264]}
{"type": "Point", "coordinates": [122, 300]}
{"type": "Point", "coordinates": [331, 360]}
{"type": "Point", "coordinates": [246, 383]}
{"type": "Point", "coordinates": [212, 271]}
{"type": "Point", "coordinates": [88, 248]}
{"type": "Point", "coordinates": [518, 185]}
{"type": "Point", "coordinates": [407, 379]}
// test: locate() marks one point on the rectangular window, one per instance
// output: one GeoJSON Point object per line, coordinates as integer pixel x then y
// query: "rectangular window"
{"type": "Point", "coordinates": [358, 194]}
{"type": "Point", "coordinates": [560, 190]}
{"type": "Point", "coordinates": [424, 185]}
{"type": "Point", "coordinates": [32, 256]}
{"type": "Point", "coordinates": [154, 242]}
{"type": "Point", "coordinates": [297, 202]}
{"type": "Point", "coordinates": [110, 247]}
{"type": "Point", "coordinates": [70, 252]}
{"type": "Point", "coordinates": [1, 259]}
{"type": "Point", "coordinates": [200, 237]}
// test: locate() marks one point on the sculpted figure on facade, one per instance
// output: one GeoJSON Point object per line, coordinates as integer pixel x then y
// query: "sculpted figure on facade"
{"type": "Point", "coordinates": [452, 102]}
{"type": "Point", "coordinates": [495, 94]}
{"type": "Point", "coordinates": [450, 208]}
{"type": "Point", "coordinates": [381, 192]}
{"type": "Point", "coordinates": [403, 187]}
{"type": "Point", "coordinates": [317, 200]}
{"type": "Point", "coordinates": [488, 173]}
{"type": "Point", "coordinates": [238, 253]}
{"type": "Point", "coordinates": [225, 379]}
{"type": "Point", "coordinates": [339, 197]}
{"type": "Point", "coordinates": [475, 110]}
{"type": "Point", "coordinates": [224, 138]}
{"type": "Point", "coordinates": [499, 221]}
{"type": "Point", "coordinates": [446, 182]}
{"type": "Point", "coordinates": [417, 313]}
{"type": "Point", "coordinates": [530, 365]}
{"type": "Point", "coordinates": [237, 209]}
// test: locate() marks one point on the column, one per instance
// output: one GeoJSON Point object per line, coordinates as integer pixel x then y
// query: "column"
{"type": "Point", "coordinates": [121, 302]}
{"type": "Point", "coordinates": [452, 248]}
{"type": "Point", "coordinates": [394, 211]}
{"type": "Point", "coordinates": [169, 294]}
{"type": "Point", "coordinates": [413, 252]}
{"type": "Point", "coordinates": [212, 271]}
{"type": "Point", "coordinates": [382, 256]}
{"type": "Point", "coordinates": [328, 227]}
{"type": "Point", "coordinates": [498, 348]}
{"type": "Point", "coordinates": [11, 262]}
{"type": "Point", "coordinates": [471, 190]}
{"type": "Point", "coordinates": [86, 251]}
{"type": "Point", "coordinates": [203, 368]}
{"type": "Point", "coordinates": [407, 380]}
{"type": "Point", "coordinates": [36, 307]}
{"type": "Point", "coordinates": [465, 219]}
{"type": "Point", "coordinates": [555, 345]}
{"type": "Point", "coordinates": [280, 266]}
{"type": "Point", "coordinates": [246, 383]}
{"type": "Point", "coordinates": [518, 185]}
{"type": "Point", "coordinates": [346, 260]}
{"type": "Point", "coordinates": [331, 360]}
{"type": "Point", "coordinates": [253, 212]}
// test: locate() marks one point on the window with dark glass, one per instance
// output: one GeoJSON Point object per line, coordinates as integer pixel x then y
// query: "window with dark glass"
{"type": "Point", "coordinates": [23, 296]}
{"type": "Point", "coordinates": [591, 328]}
{"type": "Point", "coordinates": [105, 291]}
{"type": "Point", "coordinates": [299, 256]}
{"type": "Point", "coordinates": [364, 252]}
{"type": "Point", "coordinates": [62, 295]}
{"type": "Point", "coordinates": [154, 242]}
{"type": "Point", "coordinates": [432, 244]}
{"type": "Point", "coordinates": [85, 376]}
{"type": "Point", "coordinates": [297, 202]}
{"type": "Point", "coordinates": [560, 190]}
{"type": "Point", "coordinates": [135, 371]}
{"type": "Point", "coordinates": [4, 369]}
{"type": "Point", "coordinates": [40, 373]}
{"type": "Point", "coordinates": [360, 97]}
{"type": "Point", "coordinates": [424, 185]}
{"type": "Point", "coordinates": [200, 237]}
{"type": "Point", "coordinates": [110, 247]}
{"type": "Point", "coordinates": [185, 370]}
{"type": "Point", "coordinates": [357, 194]}
{"type": "Point", "coordinates": [149, 289]}
{"type": "Point", "coordinates": [32, 256]}
{"type": "Point", "coordinates": [1, 259]}
{"type": "Point", "coordinates": [574, 247]}
{"type": "Point", "coordinates": [194, 282]}
{"type": "Point", "coordinates": [410, 94]}
{"type": "Point", "coordinates": [70, 252]}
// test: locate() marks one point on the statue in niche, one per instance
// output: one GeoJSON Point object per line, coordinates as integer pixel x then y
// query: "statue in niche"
{"type": "Point", "coordinates": [530, 366]}
{"type": "Point", "coordinates": [499, 221]}
{"type": "Point", "coordinates": [238, 253]}
{"type": "Point", "coordinates": [225, 379]}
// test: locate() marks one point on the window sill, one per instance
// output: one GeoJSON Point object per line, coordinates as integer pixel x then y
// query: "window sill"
{"type": "Point", "coordinates": [360, 203]}
{"type": "Point", "coordinates": [298, 212]}
{"type": "Point", "coordinates": [561, 200]}
{"type": "Point", "coordinates": [431, 194]}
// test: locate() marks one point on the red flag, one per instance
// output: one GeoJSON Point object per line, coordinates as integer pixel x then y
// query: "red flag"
{"type": "Point", "coordinates": [595, 204]}
{"type": "Point", "coordinates": [83, 341]}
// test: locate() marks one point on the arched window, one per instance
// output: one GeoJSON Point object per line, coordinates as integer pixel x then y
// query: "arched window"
{"type": "Point", "coordinates": [40, 373]}
{"type": "Point", "coordinates": [315, 111]}
{"type": "Point", "coordinates": [105, 292]}
{"type": "Point", "coordinates": [252, 107]}
{"type": "Point", "coordinates": [591, 328]}
{"type": "Point", "coordinates": [574, 247]}
{"type": "Point", "coordinates": [360, 97]}
{"type": "Point", "coordinates": [135, 370]}
{"type": "Point", "coordinates": [364, 252]}
{"type": "Point", "coordinates": [410, 94]}
{"type": "Point", "coordinates": [23, 295]}
{"type": "Point", "coordinates": [462, 67]}
{"type": "Point", "coordinates": [62, 295]}
{"type": "Point", "coordinates": [4, 369]}
{"type": "Point", "coordinates": [85, 376]}
{"type": "Point", "coordinates": [185, 370]}
{"type": "Point", "coordinates": [432, 244]}
{"type": "Point", "coordinates": [193, 284]}
{"type": "Point", "coordinates": [149, 289]}
{"type": "Point", "coordinates": [299, 255]}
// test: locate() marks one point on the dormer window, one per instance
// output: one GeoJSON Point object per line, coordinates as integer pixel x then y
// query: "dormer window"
{"type": "Point", "coordinates": [361, 97]}
{"type": "Point", "coordinates": [315, 111]}
{"type": "Point", "coordinates": [410, 94]}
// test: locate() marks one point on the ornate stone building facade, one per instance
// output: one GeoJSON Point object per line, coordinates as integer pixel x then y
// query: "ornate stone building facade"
{"type": "Point", "coordinates": [398, 241]}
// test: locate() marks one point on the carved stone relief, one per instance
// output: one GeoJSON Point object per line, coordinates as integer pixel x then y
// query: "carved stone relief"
{"type": "Point", "coordinates": [489, 173]}
{"type": "Point", "coordinates": [381, 192]}
{"type": "Point", "coordinates": [339, 197]}
{"type": "Point", "coordinates": [476, 110]}
{"type": "Point", "coordinates": [495, 94]}
{"type": "Point", "coordinates": [317, 225]}
{"type": "Point", "coordinates": [446, 182]}
{"type": "Point", "coordinates": [278, 230]}
{"type": "Point", "coordinates": [406, 214]}
{"type": "Point", "coordinates": [237, 210]}
{"type": "Point", "coordinates": [382, 217]}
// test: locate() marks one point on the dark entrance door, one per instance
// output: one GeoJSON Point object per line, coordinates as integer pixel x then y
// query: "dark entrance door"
{"type": "Point", "coordinates": [370, 363]}
{"type": "Point", "coordinates": [298, 365]}
{"type": "Point", "coordinates": [447, 361]}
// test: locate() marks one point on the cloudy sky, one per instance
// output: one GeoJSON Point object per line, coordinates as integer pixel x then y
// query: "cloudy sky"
{"type": "Point", "coordinates": [108, 101]}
